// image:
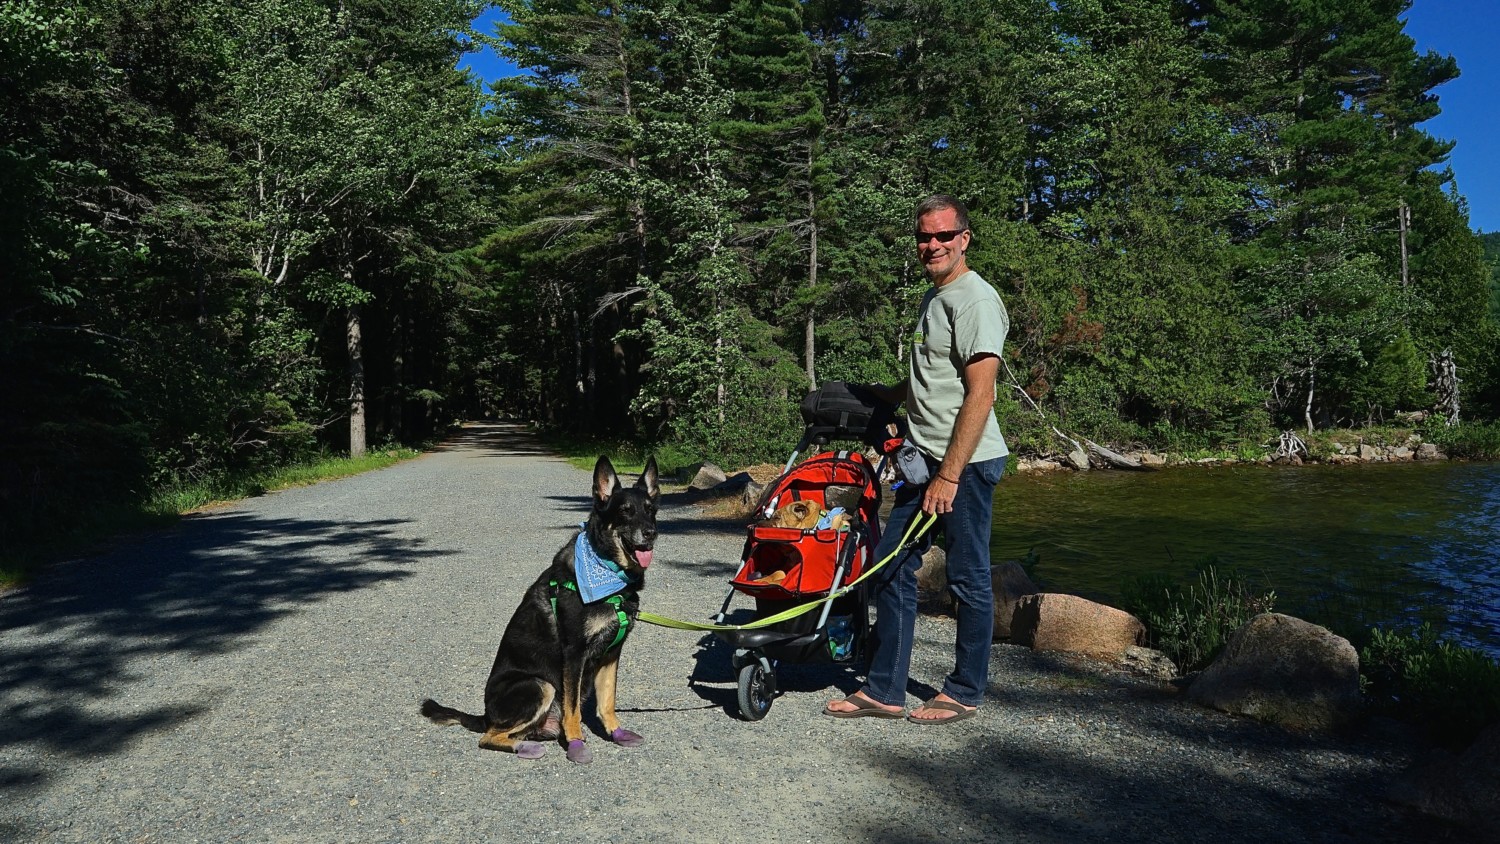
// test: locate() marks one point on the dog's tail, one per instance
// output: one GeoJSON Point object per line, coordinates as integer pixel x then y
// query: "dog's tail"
{"type": "Point", "coordinates": [440, 714]}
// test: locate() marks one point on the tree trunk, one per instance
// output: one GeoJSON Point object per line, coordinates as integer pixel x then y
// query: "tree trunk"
{"type": "Point", "coordinates": [721, 393]}
{"type": "Point", "coordinates": [201, 278]}
{"type": "Point", "coordinates": [1312, 377]}
{"type": "Point", "coordinates": [1445, 382]}
{"type": "Point", "coordinates": [812, 281]}
{"type": "Point", "coordinates": [356, 382]}
{"type": "Point", "coordinates": [1116, 459]}
{"type": "Point", "coordinates": [591, 372]}
{"type": "Point", "coordinates": [395, 395]}
{"type": "Point", "coordinates": [1403, 223]}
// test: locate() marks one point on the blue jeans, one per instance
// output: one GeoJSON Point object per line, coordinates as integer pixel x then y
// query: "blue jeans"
{"type": "Point", "coordinates": [966, 532]}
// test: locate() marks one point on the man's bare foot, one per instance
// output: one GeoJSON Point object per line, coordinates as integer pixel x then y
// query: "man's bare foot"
{"type": "Point", "coordinates": [939, 709]}
{"type": "Point", "coordinates": [861, 705]}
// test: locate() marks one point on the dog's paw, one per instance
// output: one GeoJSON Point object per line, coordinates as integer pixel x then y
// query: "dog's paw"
{"type": "Point", "coordinates": [530, 749]}
{"type": "Point", "coordinates": [578, 751]}
{"type": "Point", "coordinates": [626, 738]}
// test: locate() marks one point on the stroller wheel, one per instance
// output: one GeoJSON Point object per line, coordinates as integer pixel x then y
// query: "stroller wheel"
{"type": "Point", "coordinates": [757, 689]}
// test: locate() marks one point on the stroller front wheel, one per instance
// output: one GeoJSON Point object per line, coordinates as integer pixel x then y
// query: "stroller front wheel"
{"type": "Point", "coordinates": [757, 689]}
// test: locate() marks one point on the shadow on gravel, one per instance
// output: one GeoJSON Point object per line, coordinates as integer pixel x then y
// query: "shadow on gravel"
{"type": "Point", "coordinates": [1145, 772]}
{"type": "Point", "coordinates": [683, 513]}
{"type": "Point", "coordinates": [713, 676]}
{"type": "Point", "coordinates": [83, 636]}
{"type": "Point", "coordinates": [678, 515]}
{"type": "Point", "coordinates": [503, 438]}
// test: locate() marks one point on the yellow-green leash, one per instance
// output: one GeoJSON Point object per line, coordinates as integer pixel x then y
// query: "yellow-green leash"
{"type": "Point", "coordinates": [918, 526]}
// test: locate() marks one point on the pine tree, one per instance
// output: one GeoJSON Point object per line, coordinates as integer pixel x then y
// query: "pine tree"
{"type": "Point", "coordinates": [1334, 91]}
{"type": "Point", "coordinates": [775, 128]}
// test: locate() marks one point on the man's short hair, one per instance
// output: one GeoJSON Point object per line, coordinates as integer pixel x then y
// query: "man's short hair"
{"type": "Point", "coordinates": [940, 201]}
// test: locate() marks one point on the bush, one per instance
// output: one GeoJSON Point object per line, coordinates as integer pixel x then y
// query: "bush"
{"type": "Point", "coordinates": [1025, 431]}
{"type": "Point", "coordinates": [1415, 675]}
{"type": "Point", "coordinates": [1469, 441]}
{"type": "Point", "coordinates": [1192, 623]}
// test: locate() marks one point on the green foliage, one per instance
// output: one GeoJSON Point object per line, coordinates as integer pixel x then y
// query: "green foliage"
{"type": "Point", "coordinates": [1188, 216]}
{"type": "Point", "coordinates": [1088, 405]}
{"type": "Point", "coordinates": [582, 451]}
{"type": "Point", "coordinates": [1453, 691]}
{"type": "Point", "coordinates": [194, 187]}
{"type": "Point", "coordinates": [1395, 378]}
{"type": "Point", "coordinates": [1192, 622]}
{"type": "Point", "coordinates": [1490, 243]}
{"type": "Point", "coordinates": [1467, 440]}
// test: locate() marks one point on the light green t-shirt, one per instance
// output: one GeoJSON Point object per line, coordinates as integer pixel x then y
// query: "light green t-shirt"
{"type": "Point", "coordinates": [960, 320]}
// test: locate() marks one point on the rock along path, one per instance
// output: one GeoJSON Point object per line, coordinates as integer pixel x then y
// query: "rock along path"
{"type": "Point", "coordinates": [254, 675]}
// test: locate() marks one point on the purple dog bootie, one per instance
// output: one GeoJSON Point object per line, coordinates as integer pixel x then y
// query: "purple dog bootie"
{"type": "Point", "coordinates": [626, 738]}
{"type": "Point", "coordinates": [578, 751]}
{"type": "Point", "coordinates": [530, 749]}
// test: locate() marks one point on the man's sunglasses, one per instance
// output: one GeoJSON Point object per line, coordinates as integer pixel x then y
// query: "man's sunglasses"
{"type": "Point", "coordinates": [940, 237]}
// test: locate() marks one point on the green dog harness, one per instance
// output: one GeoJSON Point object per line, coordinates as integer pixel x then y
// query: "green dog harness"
{"type": "Point", "coordinates": [617, 601]}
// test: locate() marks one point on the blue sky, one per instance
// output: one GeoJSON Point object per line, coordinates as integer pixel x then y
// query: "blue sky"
{"type": "Point", "coordinates": [485, 64]}
{"type": "Point", "coordinates": [1469, 30]}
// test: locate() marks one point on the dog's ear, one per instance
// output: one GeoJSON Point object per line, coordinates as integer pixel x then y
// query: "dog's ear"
{"type": "Point", "coordinates": [648, 479]}
{"type": "Point", "coordinates": [606, 482]}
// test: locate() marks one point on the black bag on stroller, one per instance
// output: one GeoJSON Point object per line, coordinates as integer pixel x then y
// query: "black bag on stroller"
{"type": "Point", "coordinates": [839, 409]}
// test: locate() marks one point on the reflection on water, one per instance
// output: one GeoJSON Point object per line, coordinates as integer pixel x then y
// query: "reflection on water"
{"type": "Point", "coordinates": [1346, 546]}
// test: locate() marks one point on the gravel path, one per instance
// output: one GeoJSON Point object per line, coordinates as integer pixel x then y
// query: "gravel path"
{"type": "Point", "coordinates": [254, 675]}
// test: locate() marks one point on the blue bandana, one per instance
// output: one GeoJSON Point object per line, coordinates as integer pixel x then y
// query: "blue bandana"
{"type": "Point", "coordinates": [597, 577]}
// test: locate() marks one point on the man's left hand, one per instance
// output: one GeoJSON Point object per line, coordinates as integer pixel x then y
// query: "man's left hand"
{"type": "Point", "coordinates": [938, 499]}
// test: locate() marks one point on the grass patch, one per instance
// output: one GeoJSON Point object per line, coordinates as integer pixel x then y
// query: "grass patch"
{"type": "Point", "coordinates": [627, 457]}
{"type": "Point", "coordinates": [1192, 622]}
{"type": "Point", "coordinates": [1082, 683]}
{"type": "Point", "coordinates": [21, 560]}
{"type": "Point", "coordinates": [1414, 675]}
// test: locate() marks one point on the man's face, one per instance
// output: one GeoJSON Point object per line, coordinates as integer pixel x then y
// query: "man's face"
{"type": "Point", "coordinates": [941, 258]}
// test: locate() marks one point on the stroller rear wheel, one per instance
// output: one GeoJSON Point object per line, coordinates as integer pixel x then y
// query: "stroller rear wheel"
{"type": "Point", "coordinates": [757, 689]}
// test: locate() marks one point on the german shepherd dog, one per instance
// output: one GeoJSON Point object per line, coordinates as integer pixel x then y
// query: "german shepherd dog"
{"type": "Point", "coordinates": [556, 647]}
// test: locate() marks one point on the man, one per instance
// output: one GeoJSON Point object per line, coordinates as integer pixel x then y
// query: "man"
{"type": "Point", "coordinates": [950, 397]}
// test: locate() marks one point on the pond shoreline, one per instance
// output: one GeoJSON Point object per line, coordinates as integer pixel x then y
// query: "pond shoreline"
{"type": "Point", "coordinates": [1351, 449]}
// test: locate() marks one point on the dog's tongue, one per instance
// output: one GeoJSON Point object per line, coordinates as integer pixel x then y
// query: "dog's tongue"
{"type": "Point", "coordinates": [643, 556]}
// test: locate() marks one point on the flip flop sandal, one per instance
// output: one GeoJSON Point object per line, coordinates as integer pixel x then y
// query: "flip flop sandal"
{"type": "Point", "coordinates": [959, 713]}
{"type": "Point", "coordinates": [865, 709]}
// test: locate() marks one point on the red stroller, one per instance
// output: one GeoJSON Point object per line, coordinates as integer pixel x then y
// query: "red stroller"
{"type": "Point", "coordinates": [786, 567]}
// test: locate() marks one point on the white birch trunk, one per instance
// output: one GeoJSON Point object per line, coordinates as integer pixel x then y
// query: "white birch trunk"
{"type": "Point", "coordinates": [356, 381]}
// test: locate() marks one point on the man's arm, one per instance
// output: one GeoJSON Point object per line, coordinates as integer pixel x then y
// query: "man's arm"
{"type": "Point", "coordinates": [979, 398]}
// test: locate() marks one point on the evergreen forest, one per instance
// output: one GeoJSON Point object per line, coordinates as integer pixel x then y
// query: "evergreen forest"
{"type": "Point", "coordinates": [239, 233]}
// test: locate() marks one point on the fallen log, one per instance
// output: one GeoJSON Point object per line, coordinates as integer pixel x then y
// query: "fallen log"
{"type": "Point", "coordinates": [1078, 457]}
{"type": "Point", "coordinates": [1116, 459]}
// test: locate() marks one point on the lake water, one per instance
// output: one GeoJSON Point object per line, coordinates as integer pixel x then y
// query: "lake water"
{"type": "Point", "coordinates": [1346, 546]}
